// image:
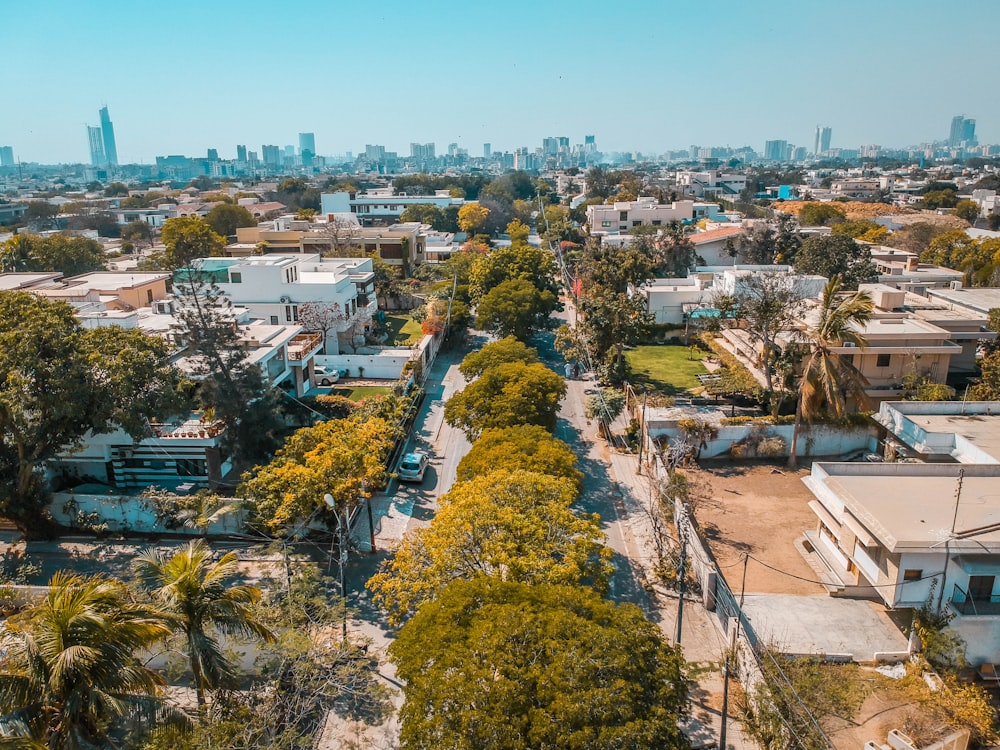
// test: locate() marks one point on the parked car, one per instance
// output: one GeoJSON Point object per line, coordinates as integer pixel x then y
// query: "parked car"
{"type": "Point", "coordinates": [325, 375]}
{"type": "Point", "coordinates": [412, 467]}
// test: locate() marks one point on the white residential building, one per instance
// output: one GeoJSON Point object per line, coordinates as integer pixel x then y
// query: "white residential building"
{"type": "Point", "coordinates": [381, 206]}
{"type": "Point", "coordinates": [623, 216]}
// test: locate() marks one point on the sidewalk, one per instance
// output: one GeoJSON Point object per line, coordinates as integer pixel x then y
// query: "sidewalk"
{"type": "Point", "coordinates": [702, 638]}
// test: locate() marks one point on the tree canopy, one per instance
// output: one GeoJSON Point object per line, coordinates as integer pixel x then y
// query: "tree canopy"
{"type": "Point", "coordinates": [512, 525]}
{"type": "Point", "coordinates": [836, 255]}
{"type": "Point", "coordinates": [507, 349]}
{"type": "Point", "coordinates": [187, 238]}
{"type": "Point", "coordinates": [57, 252]}
{"type": "Point", "coordinates": [343, 457]}
{"type": "Point", "coordinates": [527, 447]}
{"type": "Point", "coordinates": [515, 308]}
{"type": "Point", "coordinates": [61, 381]}
{"type": "Point", "coordinates": [501, 264]}
{"type": "Point", "coordinates": [513, 667]}
{"type": "Point", "coordinates": [979, 259]}
{"type": "Point", "coordinates": [225, 218]}
{"type": "Point", "coordinates": [821, 214]}
{"type": "Point", "coordinates": [506, 395]}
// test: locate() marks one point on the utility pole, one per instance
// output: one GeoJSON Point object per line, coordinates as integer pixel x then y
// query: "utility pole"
{"type": "Point", "coordinates": [726, 664]}
{"type": "Point", "coordinates": [341, 540]}
{"type": "Point", "coordinates": [682, 576]}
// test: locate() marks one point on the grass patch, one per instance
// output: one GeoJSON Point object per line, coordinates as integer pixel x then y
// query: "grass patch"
{"type": "Point", "coordinates": [360, 391]}
{"type": "Point", "coordinates": [403, 330]}
{"type": "Point", "coordinates": [669, 369]}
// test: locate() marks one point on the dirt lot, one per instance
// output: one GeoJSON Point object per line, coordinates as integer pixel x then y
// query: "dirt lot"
{"type": "Point", "coordinates": [758, 508]}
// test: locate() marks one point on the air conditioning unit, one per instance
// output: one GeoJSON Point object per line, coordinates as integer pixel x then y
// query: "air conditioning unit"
{"type": "Point", "coordinates": [849, 345]}
{"type": "Point", "coordinates": [956, 285]}
{"type": "Point", "coordinates": [285, 299]}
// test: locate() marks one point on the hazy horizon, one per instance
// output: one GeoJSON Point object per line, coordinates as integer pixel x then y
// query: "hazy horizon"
{"type": "Point", "coordinates": [189, 76]}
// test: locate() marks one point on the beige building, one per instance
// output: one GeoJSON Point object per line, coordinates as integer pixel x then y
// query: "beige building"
{"type": "Point", "coordinates": [623, 216]}
{"type": "Point", "coordinates": [398, 245]}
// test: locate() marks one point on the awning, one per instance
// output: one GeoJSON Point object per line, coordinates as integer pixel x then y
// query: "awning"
{"type": "Point", "coordinates": [825, 516]}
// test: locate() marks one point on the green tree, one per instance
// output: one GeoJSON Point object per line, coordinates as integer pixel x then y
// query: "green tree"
{"type": "Point", "coordinates": [188, 238]}
{"type": "Point", "coordinates": [821, 214]}
{"type": "Point", "coordinates": [988, 387]}
{"type": "Point", "coordinates": [919, 387]}
{"type": "Point", "coordinates": [70, 256]}
{"type": "Point", "coordinates": [515, 308]}
{"type": "Point", "coordinates": [225, 218]}
{"type": "Point", "coordinates": [228, 382]}
{"type": "Point", "coordinates": [774, 242]}
{"type": "Point", "coordinates": [116, 190]}
{"type": "Point", "coordinates": [828, 379]}
{"type": "Point", "coordinates": [201, 602]}
{"type": "Point", "coordinates": [835, 255]}
{"type": "Point", "coordinates": [502, 264]}
{"type": "Point", "coordinates": [507, 349]}
{"type": "Point", "coordinates": [342, 457]}
{"type": "Point", "coordinates": [138, 231]}
{"type": "Point", "coordinates": [966, 209]}
{"type": "Point", "coordinates": [507, 395]}
{"type": "Point", "coordinates": [518, 232]}
{"type": "Point", "coordinates": [69, 675]}
{"type": "Point", "coordinates": [527, 447]}
{"type": "Point", "coordinates": [61, 382]}
{"type": "Point", "coordinates": [41, 214]}
{"type": "Point", "coordinates": [510, 666]}
{"type": "Point", "coordinates": [862, 229]}
{"type": "Point", "coordinates": [935, 199]}
{"type": "Point", "coordinates": [611, 322]}
{"type": "Point", "coordinates": [511, 525]}
{"type": "Point", "coordinates": [768, 306]}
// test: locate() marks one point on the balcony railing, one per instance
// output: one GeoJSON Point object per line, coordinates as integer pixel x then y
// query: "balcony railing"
{"type": "Point", "coordinates": [965, 604]}
{"type": "Point", "coordinates": [302, 345]}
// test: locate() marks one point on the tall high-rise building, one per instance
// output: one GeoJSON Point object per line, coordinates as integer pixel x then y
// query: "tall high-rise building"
{"type": "Point", "coordinates": [213, 154]}
{"type": "Point", "coordinates": [271, 156]}
{"type": "Point", "coordinates": [487, 150]}
{"type": "Point", "coordinates": [775, 150]}
{"type": "Point", "coordinates": [550, 146]}
{"type": "Point", "coordinates": [963, 131]}
{"type": "Point", "coordinates": [6, 156]}
{"type": "Point", "coordinates": [307, 148]}
{"type": "Point", "coordinates": [822, 144]}
{"type": "Point", "coordinates": [241, 153]}
{"type": "Point", "coordinates": [422, 151]}
{"type": "Point", "coordinates": [108, 134]}
{"type": "Point", "coordinates": [96, 139]}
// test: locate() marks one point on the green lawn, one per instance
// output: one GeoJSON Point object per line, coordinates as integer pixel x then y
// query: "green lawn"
{"type": "Point", "coordinates": [403, 330]}
{"type": "Point", "coordinates": [669, 369]}
{"type": "Point", "coordinates": [360, 391]}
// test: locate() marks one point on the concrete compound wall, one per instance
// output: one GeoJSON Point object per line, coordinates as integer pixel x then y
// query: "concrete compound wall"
{"type": "Point", "coordinates": [816, 440]}
{"type": "Point", "coordinates": [386, 364]}
{"type": "Point", "coordinates": [129, 514]}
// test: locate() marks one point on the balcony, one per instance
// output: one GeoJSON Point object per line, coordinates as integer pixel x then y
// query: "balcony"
{"type": "Point", "coordinates": [965, 604]}
{"type": "Point", "coordinates": [302, 345]}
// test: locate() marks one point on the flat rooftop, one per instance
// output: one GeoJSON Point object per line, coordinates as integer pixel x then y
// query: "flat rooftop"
{"type": "Point", "coordinates": [104, 280]}
{"type": "Point", "coordinates": [913, 506]}
{"type": "Point", "coordinates": [13, 281]}
{"type": "Point", "coordinates": [982, 431]}
{"type": "Point", "coordinates": [981, 300]}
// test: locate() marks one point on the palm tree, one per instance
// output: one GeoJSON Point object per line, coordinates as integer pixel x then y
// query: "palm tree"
{"type": "Point", "coordinates": [828, 379]}
{"type": "Point", "coordinates": [193, 592]}
{"type": "Point", "coordinates": [70, 676]}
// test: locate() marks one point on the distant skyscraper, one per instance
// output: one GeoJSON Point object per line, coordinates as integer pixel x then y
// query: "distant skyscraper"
{"type": "Point", "coordinates": [213, 154]}
{"type": "Point", "coordinates": [108, 133]}
{"type": "Point", "coordinates": [6, 156]}
{"type": "Point", "coordinates": [307, 148]}
{"type": "Point", "coordinates": [241, 153]}
{"type": "Point", "coordinates": [775, 150]}
{"type": "Point", "coordinates": [96, 139]}
{"type": "Point", "coordinates": [550, 146]}
{"type": "Point", "coordinates": [422, 151]}
{"type": "Point", "coordinates": [374, 152]}
{"type": "Point", "coordinates": [271, 156]}
{"type": "Point", "coordinates": [487, 150]}
{"type": "Point", "coordinates": [822, 144]}
{"type": "Point", "coordinates": [963, 130]}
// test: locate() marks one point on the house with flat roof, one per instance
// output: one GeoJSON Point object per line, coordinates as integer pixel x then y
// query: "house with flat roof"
{"type": "Point", "coordinates": [924, 533]}
{"type": "Point", "coordinates": [622, 216]}
{"type": "Point", "coordinates": [381, 207]}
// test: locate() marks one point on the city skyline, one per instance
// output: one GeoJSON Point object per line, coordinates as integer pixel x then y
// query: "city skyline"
{"type": "Point", "coordinates": [677, 77]}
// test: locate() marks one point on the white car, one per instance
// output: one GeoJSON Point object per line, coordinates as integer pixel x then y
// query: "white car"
{"type": "Point", "coordinates": [412, 467]}
{"type": "Point", "coordinates": [325, 375]}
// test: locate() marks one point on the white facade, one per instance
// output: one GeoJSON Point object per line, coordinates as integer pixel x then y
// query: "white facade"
{"type": "Point", "coordinates": [666, 298]}
{"type": "Point", "coordinates": [621, 217]}
{"type": "Point", "coordinates": [381, 206]}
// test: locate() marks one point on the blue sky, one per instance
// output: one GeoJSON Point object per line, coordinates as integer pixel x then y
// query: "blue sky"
{"type": "Point", "coordinates": [183, 76]}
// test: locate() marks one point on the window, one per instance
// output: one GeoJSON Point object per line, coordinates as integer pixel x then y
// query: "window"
{"type": "Point", "coordinates": [656, 222]}
{"type": "Point", "coordinates": [623, 216]}
{"type": "Point", "coordinates": [883, 360]}
{"type": "Point", "coordinates": [636, 223]}
{"type": "Point", "coordinates": [291, 313]}
{"type": "Point", "coordinates": [191, 467]}
{"type": "Point", "coordinates": [235, 277]}
{"type": "Point", "coordinates": [605, 223]}
{"type": "Point", "coordinates": [912, 574]}
{"type": "Point", "coordinates": [848, 359]}
{"type": "Point", "coordinates": [274, 320]}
